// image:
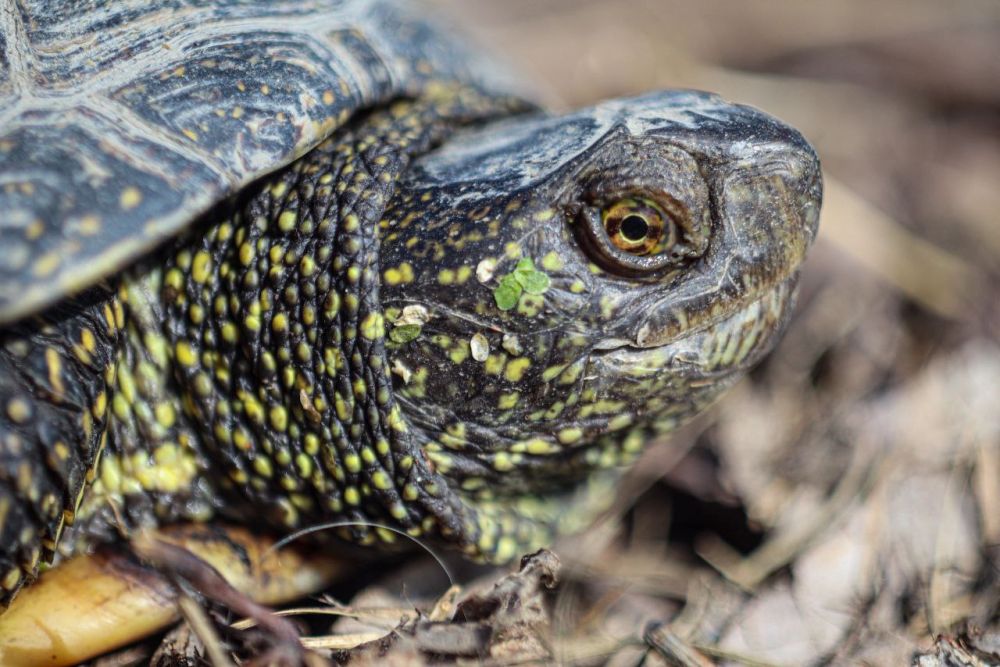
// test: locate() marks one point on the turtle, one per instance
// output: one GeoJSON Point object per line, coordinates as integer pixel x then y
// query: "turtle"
{"type": "Point", "coordinates": [288, 263]}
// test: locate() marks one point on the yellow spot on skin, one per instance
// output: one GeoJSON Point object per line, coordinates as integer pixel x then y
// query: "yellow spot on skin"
{"type": "Point", "coordinates": [502, 462]}
{"type": "Point", "coordinates": [607, 406]}
{"type": "Point", "coordinates": [540, 447]}
{"type": "Point", "coordinates": [34, 230]}
{"type": "Point", "coordinates": [633, 443]}
{"type": "Point", "coordinates": [552, 371]}
{"type": "Point", "coordinates": [241, 440]}
{"type": "Point", "coordinates": [165, 415]}
{"type": "Point", "coordinates": [201, 267]}
{"type": "Point", "coordinates": [381, 481]}
{"type": "Point", "coordinates": [514, 371]}
{"type": "Point", "coordinates": [246, 253]}
{"type": "Point", "coordinates": [109, 317]}
{"type": "Point", "coordinates": [121, 407]}
{"type": "Point", "coordinates": [130, 198]}
{"type": "Point", "coordinates": [100, 405]}
{"type": "Point", "coordinates": [46, 265]}
{"type": "Point", "coordinates": [552, 261]}
{"type": "Point", "coordinates": [278, 189]}
{"type": "Point", "coordinates": [373, 326]}
{"type": "Point", "coordinates": [327, 97]}
{"type": "Point", "coordinates": [508, 401]}
{"type": "Point", "coordinates": [506, 549]}
{"type": "Point", "coordinates": [393, 276]}
{"type": "Point", "coordinates": [11, 579]}
{"type": "Point", "coordinates": [446, 276]}
{"type": "Point", "coordinates": [568, 436]}
{"type": "Point", "coordinates": [18, 410]}
{"type": "Point", "coordinates": [185, 354]}
{"type": "Point", "coordinates": [89, 225]}
{"type": "Point", "coordinates": [279, 418]}
{"type": "Point", "coordinates": [494, 363]}
{"type": "Point", "coordinates": [287, 220]}
{"type": "Point", "coordinates": [174, 279]}
{"type": "Point", "coordinates": [571, 374]}
{"type": "Point", "coordinates": [88, 340]}
{"type": "Point", "coordinates": [82, 355]}
{"type": "Point", "coordinates": [229, 332]}
{"type": "Point", "coordinates": [460, 352]}
{"type": "Point", "coordinates": [406, 271]}
{"type": "Point", "coordinates": [263, 466]}
{"type": "Point", "coordinates": [530, 305]}
{"type": "Point", "coordinates": [190, 134]}
{"type": "Point", "coordinates": [54, 364]}
{"type": "Point", "coordinates": [620, 422]}
{"type": "Point", "coordinates": [110, 474]}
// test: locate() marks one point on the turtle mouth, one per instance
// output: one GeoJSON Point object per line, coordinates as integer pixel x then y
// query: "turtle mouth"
{"type": "Point", "coordinates": [723, 343]}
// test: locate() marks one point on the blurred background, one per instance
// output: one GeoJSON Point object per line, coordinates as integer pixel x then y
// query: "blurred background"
{"type": "Point", "coordinates": [842, 506]}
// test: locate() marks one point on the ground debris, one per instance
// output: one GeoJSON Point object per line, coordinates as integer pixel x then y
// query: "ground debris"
{"type": "Point", "coordinates": [507, 624]}
{"type": "Point", "coordinates": [961, 651]}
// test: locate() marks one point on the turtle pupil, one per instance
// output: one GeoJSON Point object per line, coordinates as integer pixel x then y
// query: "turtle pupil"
{"type": "Point", "coordinates": [634, 228]}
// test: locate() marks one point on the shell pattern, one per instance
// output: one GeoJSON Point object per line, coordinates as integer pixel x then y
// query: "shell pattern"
{"type": "Point", "coordinates": [122, 121]}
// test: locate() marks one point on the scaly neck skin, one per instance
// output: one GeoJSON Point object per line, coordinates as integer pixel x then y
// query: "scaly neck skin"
{"type": "Point", "coordinates": [269, 328]}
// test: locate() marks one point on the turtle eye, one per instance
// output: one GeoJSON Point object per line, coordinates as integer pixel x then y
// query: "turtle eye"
{"type": "Point", "coordinates": [637, 225]}
{"type": "Point", "coordinates": [631, 234]}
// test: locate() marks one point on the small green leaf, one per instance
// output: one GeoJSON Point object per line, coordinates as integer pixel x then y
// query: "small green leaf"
{"type": "Point", "coordinates": [507, 293]}
{"type": "Point", "coordinates": [529, 278]}
{"type": "Point", "coordinates": [404, 333]}
{"type": "Point", "coordinates": [535, 282]}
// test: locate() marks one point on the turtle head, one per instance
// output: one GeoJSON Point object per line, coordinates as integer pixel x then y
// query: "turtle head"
{"type": "Point", "coordinates": [559, 289]}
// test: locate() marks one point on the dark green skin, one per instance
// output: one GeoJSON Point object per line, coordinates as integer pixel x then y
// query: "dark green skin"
{"type": "Point", "coordinates": [264, 370]}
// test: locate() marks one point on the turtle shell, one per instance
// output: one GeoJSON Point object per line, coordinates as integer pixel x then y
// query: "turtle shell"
{"type": "Point", "coordinates": [122, 121]}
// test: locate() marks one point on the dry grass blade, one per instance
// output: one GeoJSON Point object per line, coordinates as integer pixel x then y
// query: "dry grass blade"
{"type": "Point", "coordinates": [343, 642]}
{"type": "Point", "coordinates": [202, 627]}
{"type": "Point", "coordinates": [673, 649]}
{"type": "Point", "coordinates": [387, 618]}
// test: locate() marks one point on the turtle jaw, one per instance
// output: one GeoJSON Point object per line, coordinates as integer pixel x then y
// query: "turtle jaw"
{"type": "Point", "coordinates": [711, 356]}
